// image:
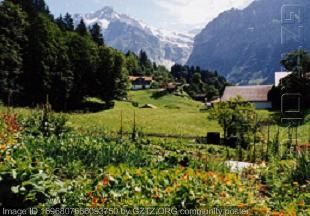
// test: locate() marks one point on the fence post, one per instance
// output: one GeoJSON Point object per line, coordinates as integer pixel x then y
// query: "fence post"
{"type": "Point", "coordinates": [268, 139]}
{"type": "Point", "coordinates": [254, 147]}
{"type": "Point", "coordinates": [133, 136]}
{"type": "Point", "coordinates": [121, 129]}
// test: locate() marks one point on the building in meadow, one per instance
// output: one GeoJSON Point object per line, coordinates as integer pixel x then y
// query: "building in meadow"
{"type": "Point", "coordinates": [256, 94]}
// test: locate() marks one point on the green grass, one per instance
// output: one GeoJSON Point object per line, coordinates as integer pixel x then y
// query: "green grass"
{"type": "Point", "coordinates": [174, 115]}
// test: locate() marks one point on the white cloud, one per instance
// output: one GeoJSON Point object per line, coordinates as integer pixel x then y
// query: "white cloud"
{"type": "Point", "coordinates": [199, 12]}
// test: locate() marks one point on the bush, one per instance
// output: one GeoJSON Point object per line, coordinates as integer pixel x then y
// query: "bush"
{"type": "Point", "coordinates": [45, 123]}
{"type": "Point", "coordinates": [110, 104]}
{"type": "Point", "coordinates": [135, 104]}
{"type": "Point", "coordinates": [302, 172]}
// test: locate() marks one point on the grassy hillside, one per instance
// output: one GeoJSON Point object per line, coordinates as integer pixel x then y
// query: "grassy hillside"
{"type": "Point", "coordinates": [173, 115]}
{"type": "Point", "coordinates": [176, 115]}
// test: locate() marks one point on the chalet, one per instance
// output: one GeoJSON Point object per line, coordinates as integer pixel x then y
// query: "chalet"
{"type": "Point", "coordinates": [140, 82]}
{"type": "Point", "coordinates": [257, 94]}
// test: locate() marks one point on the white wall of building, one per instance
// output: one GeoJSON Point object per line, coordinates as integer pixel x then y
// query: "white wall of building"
{"type": "Point", "coordinates": [280, 75]}
{"type": "Point", "coordinates": [139, 87]}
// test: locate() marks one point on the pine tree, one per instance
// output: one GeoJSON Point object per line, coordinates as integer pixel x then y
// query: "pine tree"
{"type": "Point", "coordinates": [145, 63]}
{"type": "Point", "coordinates": [155, 66]}
{"type": "Point", "coordinates": [69, 22]}
{"type": "Point", "coordinates": [61, 23]}
{"type": "Point", "coordinates": [65, 23]}
{"type": "Point", "coordinates": [143, 58]}
{"type": "Point", "coordinates": [96, 34]}
{"type": "Point", "coordinates": [81, 28]}
{"type": "Point", "coordinates": [33, 7]}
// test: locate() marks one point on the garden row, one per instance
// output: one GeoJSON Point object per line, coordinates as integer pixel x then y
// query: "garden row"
{"type": "Point", "coordinates": [46, 164]}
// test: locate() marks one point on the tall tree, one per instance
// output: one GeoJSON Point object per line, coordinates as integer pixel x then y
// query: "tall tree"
{"type": "Point", "coordinates": [96, 34]}
{"type": "Point", "coordinates": [47, 67]}
{"type": "Point", "coordinates": [69, 22]}
{"type": "Point", "coordinates": [61, 23]}
{"type": "Point", "coordinates": [33, 7]}
{"type": "Point", "coordinates": [132, 64]}
{"type": "Point", "coordinates": [105, 86]}
{"type": "Point", "coordinates": [65, 23]}
{"type": "Point", "coordinates": [237, 118]}
{"type": "Point", "coordinates": [81, 28]}
{"type": "Point", "coordinates": [112, 77]}
{"type": "Point", "coordinates": [12, 37]}
{"type": "Point", "coordinates": [120, 76]}
{"type": "Point", "coordinates": [83, 55]}
{"type": "Point", "coordinates": [62, 78]}
{"type": "Point", "coordinates": [144, 60]}
{"type": "Point", "coordinates": [297, 61]}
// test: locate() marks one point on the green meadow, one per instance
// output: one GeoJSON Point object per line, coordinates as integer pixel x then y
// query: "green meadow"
{"type": "Point", "coordinates": [176, 115]}
{"type": "Point", "coordinates": [172, 115]}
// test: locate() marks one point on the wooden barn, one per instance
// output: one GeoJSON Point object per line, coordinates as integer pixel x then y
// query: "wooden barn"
{"type": "Point", "coordinates": [257, 94]}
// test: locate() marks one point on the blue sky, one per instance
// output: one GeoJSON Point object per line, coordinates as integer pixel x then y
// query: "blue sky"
{"type": "Point", "coordinates": [176, 15]}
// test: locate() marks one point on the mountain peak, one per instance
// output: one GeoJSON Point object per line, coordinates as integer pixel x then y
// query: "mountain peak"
{"type": "Point", "coordinates": [126, 33]}
{"type": "Point", "coordinates": [106, 11]}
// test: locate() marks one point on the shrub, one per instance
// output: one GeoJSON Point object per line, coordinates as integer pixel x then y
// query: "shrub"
{"type": "Point", "coordinates": [135, 104]}
{"type": "Point", "coordinates": [110, 104]}
{"type": "Point", "coordinates": [45, 123]}
{"type": "Point", "coordinates": [302, 172]}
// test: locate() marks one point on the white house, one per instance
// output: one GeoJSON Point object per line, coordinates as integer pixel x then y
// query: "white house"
{"type": "Point", "coordinates": [257, 94]}
{"type": "Point", "coordinates": [278, 76]}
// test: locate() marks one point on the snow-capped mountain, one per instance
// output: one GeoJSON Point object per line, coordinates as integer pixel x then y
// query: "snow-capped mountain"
{"type": "Point", "coordinates": [125, 33]}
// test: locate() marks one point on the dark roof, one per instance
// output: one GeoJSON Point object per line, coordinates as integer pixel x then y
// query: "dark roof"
{"type": "Point", "coordinates": [248, 93]}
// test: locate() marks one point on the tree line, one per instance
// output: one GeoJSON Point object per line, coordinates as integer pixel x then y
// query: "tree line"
{"type": "Point", "coordinates": [46, 58]}
{"type": "Point", "coordinates": [201, 82]}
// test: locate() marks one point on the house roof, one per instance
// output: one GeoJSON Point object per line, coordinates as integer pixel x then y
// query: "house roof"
{"type": "Point", "coordinates": [146, 78]}
{"type": "Point", "coordinates": [255, 93]}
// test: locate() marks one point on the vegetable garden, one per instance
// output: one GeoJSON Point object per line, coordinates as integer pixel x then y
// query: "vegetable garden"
{"type": "Point", "coordinates": [44, 163]}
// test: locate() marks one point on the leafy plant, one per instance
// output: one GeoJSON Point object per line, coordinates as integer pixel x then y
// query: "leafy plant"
{"type": "Point", "coordinates": [46, 123]}
{"type": "Point", "coordinates": [238, 119]}
{"type": "Point", "coordinates": [301, 173]}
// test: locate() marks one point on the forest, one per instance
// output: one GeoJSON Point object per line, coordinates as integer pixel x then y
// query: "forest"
{"type": "Point", "coordinates": [49, 59]}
